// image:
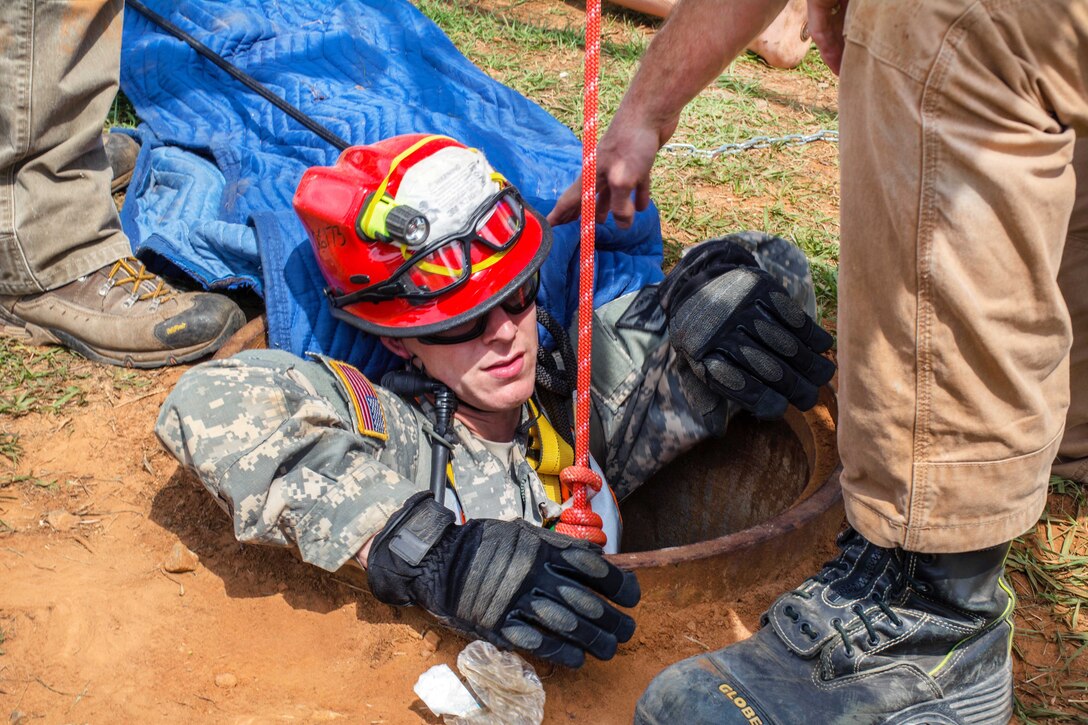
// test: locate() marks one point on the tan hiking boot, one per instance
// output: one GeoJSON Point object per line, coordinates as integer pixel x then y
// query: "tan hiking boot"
{"type": "Point", "coordinates": [122, 314]}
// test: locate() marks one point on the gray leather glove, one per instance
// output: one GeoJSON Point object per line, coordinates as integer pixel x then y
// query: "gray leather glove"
{"type": "Point", "coordinates": [509, 582]}
{"type": "Point", "coordinates": [740, 332]}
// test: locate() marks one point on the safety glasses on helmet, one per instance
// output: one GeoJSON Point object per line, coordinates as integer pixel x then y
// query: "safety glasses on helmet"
{"type": "Point", "coordinates": [514, 303]}
{"type": "Point", "coordinates": [444, 264]}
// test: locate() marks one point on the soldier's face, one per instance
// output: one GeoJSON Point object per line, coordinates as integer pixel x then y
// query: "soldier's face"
{"type": "Point", "coordinates": [495, 372]}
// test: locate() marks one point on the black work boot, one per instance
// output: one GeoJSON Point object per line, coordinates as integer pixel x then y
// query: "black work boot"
{"type": "Point", "coordinates": [878, 636]}
{"type": "Point", "coordinates": [122, 314]}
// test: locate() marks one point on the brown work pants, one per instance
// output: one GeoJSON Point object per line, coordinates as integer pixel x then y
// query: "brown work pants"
{"type": "Point", "coordinates": [963, 288]}
{"type": "Point", "coordinates": [59, 64]}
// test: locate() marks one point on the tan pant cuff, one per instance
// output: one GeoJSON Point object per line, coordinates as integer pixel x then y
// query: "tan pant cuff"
{"type": "Point", "coordinates": [956, 507]}
{"type": "Point", "coordinates": [947, 539]}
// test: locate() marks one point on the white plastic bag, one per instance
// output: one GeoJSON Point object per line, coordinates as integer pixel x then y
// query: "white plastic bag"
{"type": "Point", "coordinates": [505, 686]}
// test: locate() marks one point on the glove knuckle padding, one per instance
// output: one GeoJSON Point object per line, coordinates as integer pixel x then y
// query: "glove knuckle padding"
{"type": "Point", "coordinates": [501, 563]}
{"type": "Point", "coordinates": [581, 601]}
{"type": "Point", "coordinates": [523, 636]}
{"type": "Point", "coordinates": [587, 562]}
{"type": "Point", "coordinates": [553, 615]}
{"type": "Point", "coordinates": [776, 338]}
{"type": "Point", "coordinates": [787, 309]}
{"type": "Point", "coordinates": [724, 374]}
{"type": "Point", "coordinates": [763, 365]}
{"type": "Point", "coordinates": [509, 582]}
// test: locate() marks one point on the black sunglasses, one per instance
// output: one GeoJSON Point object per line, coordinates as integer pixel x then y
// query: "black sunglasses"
{"type": "Point", "coordinates": [514, 303]}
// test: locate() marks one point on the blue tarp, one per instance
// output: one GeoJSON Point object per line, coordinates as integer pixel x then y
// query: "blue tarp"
{"type": "Point", "coordinates": [211, 194]}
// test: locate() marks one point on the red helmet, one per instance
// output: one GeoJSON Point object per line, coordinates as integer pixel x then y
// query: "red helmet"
{"type": "Point", "coordinates": [417, 234]}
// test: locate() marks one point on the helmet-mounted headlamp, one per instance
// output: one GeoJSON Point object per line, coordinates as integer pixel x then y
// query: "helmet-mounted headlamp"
{"type": "Point", "coordinates": [384, 219]}
{"type": "Point", "coordinates": [446, 263]}
{"type": "Point", "coordinates": [417, 235]}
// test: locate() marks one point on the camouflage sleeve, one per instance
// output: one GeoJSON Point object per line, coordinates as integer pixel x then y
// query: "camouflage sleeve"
{"type": "Point", "coordinates": [271, 437]}
{"type": "Point", "coordinates": [642, 416]}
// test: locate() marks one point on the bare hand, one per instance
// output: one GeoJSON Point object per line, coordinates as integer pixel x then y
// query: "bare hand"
{"type": "Point", "coordinates": [825, 25]}
{"type": "Point", "coordinates": [625, 156]}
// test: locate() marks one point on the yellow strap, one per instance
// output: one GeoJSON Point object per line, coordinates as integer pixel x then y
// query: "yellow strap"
{"type": "Point", "coordinates": [380, 191]}
{"type": "Point", "coordinates": [549, 454]}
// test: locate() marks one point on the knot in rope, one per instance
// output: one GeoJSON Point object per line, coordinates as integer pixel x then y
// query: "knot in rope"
{"type": "Point", "coordinates": [579, 520]}
{"type": "Point", "coordinates": [574, 475]}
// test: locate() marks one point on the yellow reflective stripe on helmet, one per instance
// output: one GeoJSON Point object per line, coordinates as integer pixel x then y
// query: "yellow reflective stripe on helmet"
{"type": "Point", "coordinates": [493, 259]}
{"type": "Point", "coordinates": [445, 271]}
{"type": "Point", "coordinates": [379, 193]}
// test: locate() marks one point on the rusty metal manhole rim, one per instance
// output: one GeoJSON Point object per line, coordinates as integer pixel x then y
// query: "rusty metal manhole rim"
{"type": "Point", "coordinates": [794, 518]}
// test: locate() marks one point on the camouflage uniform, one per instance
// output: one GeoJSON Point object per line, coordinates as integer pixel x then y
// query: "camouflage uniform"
{"type": "Point", "coordinates": [278, 442]}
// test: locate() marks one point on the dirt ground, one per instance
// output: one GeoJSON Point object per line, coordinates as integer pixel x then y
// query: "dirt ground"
{"type": "Point", "coordinates": [94, 629]}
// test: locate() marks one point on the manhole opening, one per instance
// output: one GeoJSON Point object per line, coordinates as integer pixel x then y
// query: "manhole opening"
{"type": "Point", "coordinates": [756, 471]}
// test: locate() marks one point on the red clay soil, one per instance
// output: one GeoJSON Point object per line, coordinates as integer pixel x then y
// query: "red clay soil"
{"type": "Point", "coordinates": [93, 629]}
{"type": "Point", "coordinates": [96, 630]}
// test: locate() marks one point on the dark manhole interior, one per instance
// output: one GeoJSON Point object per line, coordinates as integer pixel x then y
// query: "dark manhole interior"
{"type": "Point", "coordinates": [721, 486]}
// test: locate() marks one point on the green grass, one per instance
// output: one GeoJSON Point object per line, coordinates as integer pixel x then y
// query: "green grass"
{"type": "Point", "coordinates": [9, 447]}
{"type": "Point", "coordinates": [122, 113]}
{"type": "Point", "coordinates": [39, 379]}
{"type": "Point", "coordinates": [532, 58]}
{"type": "Point", "coordinates": [49, 484]}
{"type": "Point", "coordinates": [543, 60]}
{"type": "Point", "coordinates": [1050, 568]}
{"type": "Point", "coordinates": [124, 379]}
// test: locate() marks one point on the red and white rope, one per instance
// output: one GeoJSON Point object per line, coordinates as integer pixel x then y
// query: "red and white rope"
{"type": "Point", "coordinates": [579, 520]}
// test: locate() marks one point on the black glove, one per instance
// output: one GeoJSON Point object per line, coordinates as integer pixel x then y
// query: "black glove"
{"type": "Point", "coordinates": [741, 333]}
{"type": "Point", "coordinates": [509, 582]}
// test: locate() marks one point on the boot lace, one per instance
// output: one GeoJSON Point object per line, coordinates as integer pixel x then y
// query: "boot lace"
{"type": "Point", "coordinates": [874, 637]}
{"type": "Point", "coordinates": [834, 570]}
{"type": "Point", "coordinates": [130, 271]}
{"type": "Point", "coordinates": [831, 570]}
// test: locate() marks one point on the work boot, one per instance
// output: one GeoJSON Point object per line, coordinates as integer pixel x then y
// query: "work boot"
{"type": "Point", "coordinates": [121, 152]}
{"type": "Point", "coordinates": [878, 636]}
{"type": "Point", "coordinates": [122, 314]}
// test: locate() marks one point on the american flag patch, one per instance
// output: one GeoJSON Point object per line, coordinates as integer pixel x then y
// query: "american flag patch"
{"type": "Point", "coordinates": [369, 416]}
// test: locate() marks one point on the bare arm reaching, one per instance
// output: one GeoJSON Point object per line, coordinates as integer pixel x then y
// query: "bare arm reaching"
{"type": "Point", "coordinates": [695, 44]}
